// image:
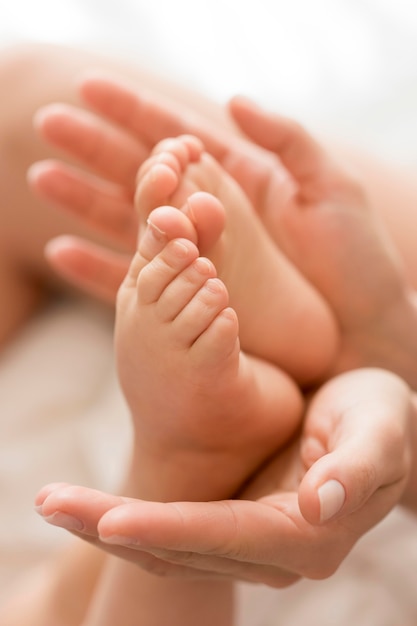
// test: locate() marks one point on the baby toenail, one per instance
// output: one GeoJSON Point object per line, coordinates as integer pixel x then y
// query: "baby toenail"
{"type": "Point", "coordinates": [159, 234]}
{"type": "Point", "coordinates": [213, 285]}
{"type": "Point", "coordinates": [203, 266]}
{"type": "Point", "coordinates": [189, 212]}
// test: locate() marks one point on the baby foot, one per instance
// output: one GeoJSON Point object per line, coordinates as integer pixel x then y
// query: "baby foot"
{"type": "Point", "coordinates": [195, 398]}
{"type": "Point", "coordinates": [269, 295]}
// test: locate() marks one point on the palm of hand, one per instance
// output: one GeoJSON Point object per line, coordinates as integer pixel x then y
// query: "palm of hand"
{"type": "Point", "coordinates": [328, 230]}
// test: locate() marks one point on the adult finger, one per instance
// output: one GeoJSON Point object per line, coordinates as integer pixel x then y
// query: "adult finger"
{"type": "Point", "coordinates": [266, 541]}
{"type": "Point", "coordinates": [355, 445]}
{"type": "Point", "coordinates": [102, 148]}
{"type": "Point", "coordinates": [89, 267]}
{"type": "Point", "coordinates": [148, 117]}
{"type": "Point", "coordinates": [79, 509]}
{"type": "Point", "coordinates": [303, 157]}
{"type": "Point", "coordinates": [103, 207]}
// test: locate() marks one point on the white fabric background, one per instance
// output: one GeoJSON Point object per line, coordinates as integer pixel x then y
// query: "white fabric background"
{"type": "Point", "coordinates": [344, 66]}
{"type": "Point", "coordinates": [349, 64]}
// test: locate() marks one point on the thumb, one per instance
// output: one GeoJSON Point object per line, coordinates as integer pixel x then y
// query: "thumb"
{"type": "Point", "coordinates": [355, 445]}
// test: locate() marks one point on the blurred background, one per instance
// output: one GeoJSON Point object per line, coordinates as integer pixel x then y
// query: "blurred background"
{"type": "Point", "coordinates": [343, 67]}
{"type": "Point", "coordinates": [348, 65]}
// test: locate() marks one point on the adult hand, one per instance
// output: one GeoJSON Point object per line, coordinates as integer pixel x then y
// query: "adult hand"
{"type": "Point", "coordinates": [109, 143]}
{"type": "Point", "coordinates": [300, 516]}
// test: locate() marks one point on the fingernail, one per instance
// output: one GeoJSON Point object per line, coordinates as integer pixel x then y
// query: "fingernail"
{"type": "Point", "coordinates": [65, 521]}
{"type": "Point", "coordinates": [120, 540]}
{"type": "Point", "coordinates": [332, 497]}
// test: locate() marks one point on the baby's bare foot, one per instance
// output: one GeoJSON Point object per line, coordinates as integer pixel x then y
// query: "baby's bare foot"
{"type": "Point", "coordinates": [281, 317]}
{"type": "Point", "coordinates": [194, 396]}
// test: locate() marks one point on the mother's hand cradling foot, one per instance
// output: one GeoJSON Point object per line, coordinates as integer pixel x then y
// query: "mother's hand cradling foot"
{"type": "Point", "coordinates": [300, 517]}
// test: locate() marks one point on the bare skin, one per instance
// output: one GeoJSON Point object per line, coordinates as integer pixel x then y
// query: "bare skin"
{"type": "Point", "coordinates": [333, 235]}
{"type": "Point", "coordinates": [325, 454]}
{"type": "Point", "coordinates": [264, 537]}
{"type": "Point", "coordinates": [322, 452]}
{"type": "Point", "coordinates": [308, 208]}
{"type": "Point", "coordinates": [322, 227]}
{"type": "Point", "coordinates": [42, 74]}
{"type": "Point", "coordinates": [32, 76]}
{"type": "Point", "coordinates": [246, 260]}
{"type": "Point", "coordinates": [218, 405]}
{"type": "Point", "coordinates": [147, 119]}
{"type": "Point", "coordinates": [47, 76]}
